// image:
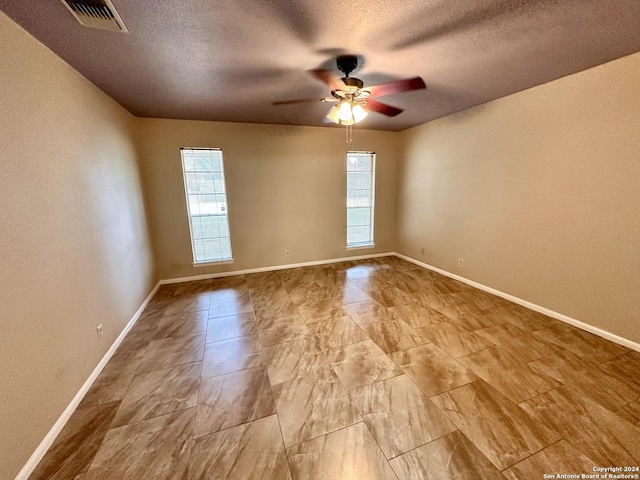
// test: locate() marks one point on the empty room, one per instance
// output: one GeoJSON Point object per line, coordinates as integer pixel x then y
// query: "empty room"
{"type": "Point", "coordinates": [319, 240]}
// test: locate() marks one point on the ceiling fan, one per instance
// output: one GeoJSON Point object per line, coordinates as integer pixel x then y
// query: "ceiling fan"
{"type": "Point", "coordinates": [353, 97]}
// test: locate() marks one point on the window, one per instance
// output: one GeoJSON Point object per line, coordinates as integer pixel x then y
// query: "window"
{"type": "Point", "coordinates": [207, 206]}
{"type": "Point", "coordinates": [361, 175]}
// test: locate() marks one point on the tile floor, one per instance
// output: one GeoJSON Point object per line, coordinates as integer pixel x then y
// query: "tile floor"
{"type": "Point", "coordinates": [373, 369]}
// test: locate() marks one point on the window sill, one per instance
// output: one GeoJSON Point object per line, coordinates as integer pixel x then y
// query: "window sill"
{"type": "Point", "coordinates": [361, 247]}
{"type": "Point", "coordinates": [210, 264]}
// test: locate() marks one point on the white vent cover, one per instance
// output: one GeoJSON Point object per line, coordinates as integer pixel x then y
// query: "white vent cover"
{"type": "Point", "coordinates": [96, 14]}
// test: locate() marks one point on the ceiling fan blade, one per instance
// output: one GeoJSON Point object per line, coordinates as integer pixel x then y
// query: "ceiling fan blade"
{"type": "Point", "coordinates": [300, 100]}
{"type": "Point", "coordinates": [328, 78]}
{"type": "Point", "coordinates": [396, 86]}
{"type": "Point", "coordinates": [382, 108]}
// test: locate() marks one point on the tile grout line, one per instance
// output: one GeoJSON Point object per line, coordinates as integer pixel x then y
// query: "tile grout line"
{"type": "Point", "coordinates": [325, 434]}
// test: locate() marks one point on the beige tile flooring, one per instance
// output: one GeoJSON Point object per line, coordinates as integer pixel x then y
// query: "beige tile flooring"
{"type": "Point", "coordinates": [358, 370]}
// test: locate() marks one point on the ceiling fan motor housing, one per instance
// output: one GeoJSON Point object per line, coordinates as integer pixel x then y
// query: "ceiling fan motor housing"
{"type": "Point", "coordinates": [347, 63]}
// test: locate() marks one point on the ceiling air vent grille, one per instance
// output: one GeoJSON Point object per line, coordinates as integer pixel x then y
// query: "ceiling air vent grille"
{"type": "Point", "coordinates": [96, 14]}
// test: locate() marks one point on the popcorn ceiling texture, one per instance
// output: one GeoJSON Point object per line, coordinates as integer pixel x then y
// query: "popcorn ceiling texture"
{"type": "Point", "coordinates": [227, 61]}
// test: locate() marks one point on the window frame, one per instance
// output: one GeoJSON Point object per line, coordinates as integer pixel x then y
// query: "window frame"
{"type": "Point", "coordinates": [195, 262]}
{"type": "Point", "coordinates": [371, 242]}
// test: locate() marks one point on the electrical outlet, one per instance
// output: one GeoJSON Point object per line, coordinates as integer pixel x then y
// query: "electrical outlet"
{"type": "Point", "coordinates": [99, 331]}
{"type": "Point", "coordinates": [287, 253]}
{"type": "Point", "coordinates": [460, 262]}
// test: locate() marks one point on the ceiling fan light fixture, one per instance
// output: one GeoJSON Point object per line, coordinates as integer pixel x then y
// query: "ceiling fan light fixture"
{"type": "Point", "coordinates": [347, 112]}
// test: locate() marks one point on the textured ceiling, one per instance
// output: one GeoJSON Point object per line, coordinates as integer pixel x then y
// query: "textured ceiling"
{"type": "Point", "coordinates": [228, 60]}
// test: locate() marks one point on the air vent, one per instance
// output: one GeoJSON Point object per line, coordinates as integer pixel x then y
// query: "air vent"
{"type": "Point", "coordinates": [96, 14]}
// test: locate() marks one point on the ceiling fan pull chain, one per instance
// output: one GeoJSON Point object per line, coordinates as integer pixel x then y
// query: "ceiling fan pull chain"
{"type": "Point", "coordinates": [348, 135]}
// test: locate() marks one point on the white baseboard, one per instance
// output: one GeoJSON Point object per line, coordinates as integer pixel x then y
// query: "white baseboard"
{"type": "Point", "coordinates": [276, 267]}
{"type": "Point", "coordinates": [64, 418]}
{"type": "Point", "coordinates": [532, 306]}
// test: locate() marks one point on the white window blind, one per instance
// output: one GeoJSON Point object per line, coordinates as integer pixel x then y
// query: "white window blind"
{"type": "Point", "coordinates": [360, 198]}
{"type": "Point", "coordinates": [204, 185]}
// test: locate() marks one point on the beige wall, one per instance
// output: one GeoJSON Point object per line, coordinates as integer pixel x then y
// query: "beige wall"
{"type": "Point", "coordinates": [286, 190]}
{"type": "Point", "coordinates": [74, 250]}
{"type": "Point", "coordinates": [539, 192]}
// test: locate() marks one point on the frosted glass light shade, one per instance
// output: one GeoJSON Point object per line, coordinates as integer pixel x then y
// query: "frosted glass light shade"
{"type": "Point", "coordinates": [345, 111]}
{"type": "Point", "coordinates": [333, 114]}
{"type": "Point", "coordinates": [359, 113]}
